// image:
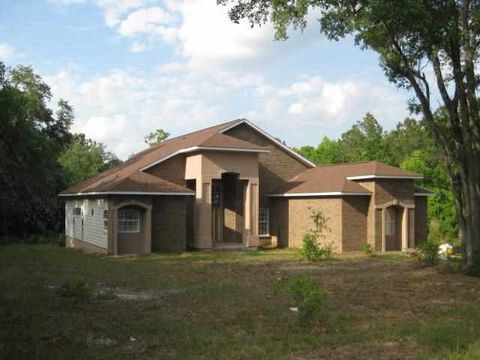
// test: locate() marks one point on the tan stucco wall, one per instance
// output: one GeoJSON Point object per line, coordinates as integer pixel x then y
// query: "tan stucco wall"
{"type": "Point", "coordinates": [275, 167]}
{"type": "Point", "coordinates": [299, 219]}
{"type": "Point", "coordinates": [208, 165]}
{"type": "Point", "coordinates": [354, 222]}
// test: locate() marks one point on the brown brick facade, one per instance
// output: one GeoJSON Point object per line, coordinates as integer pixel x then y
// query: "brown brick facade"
{"type": "Point", "coordinates": [172, 170]}
{"type": "Point", "coordinates": [169, 224]}
{"type": "Point", "coordinates": [300, 220]}
{"type": "Point", "coordinates": [354, 222]}
{"type": "Point", "coordinates": [421, 221]}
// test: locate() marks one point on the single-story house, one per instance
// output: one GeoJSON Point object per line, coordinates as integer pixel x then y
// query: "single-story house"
{"type": "Point", "coordinates": [235, 186]}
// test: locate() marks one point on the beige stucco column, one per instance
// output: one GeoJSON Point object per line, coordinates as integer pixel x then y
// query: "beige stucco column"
{"type": "Point", "coordinates": [384, 215]}
{"type": "Point", "coordinates": [405, 228]}
{"type": "Point", "coordinates": [203, 214]}
{"type": "Point", "coordinates": [250, 235]}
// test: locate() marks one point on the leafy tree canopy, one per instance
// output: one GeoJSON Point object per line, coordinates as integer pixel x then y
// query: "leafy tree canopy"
{"type": "Point", "coordinates": [156, 137]}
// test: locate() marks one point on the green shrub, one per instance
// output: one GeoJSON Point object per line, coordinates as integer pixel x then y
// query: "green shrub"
{"type": "Point", "coordinates": [314, 247]}
{"type": "Point", "coordinates": [77, 290]}
{"type": "Point", "coordinates": [307, 297]}
{"type": "Point", "coordinates": [427, 253]}
{"type": "Point", "coordinates": [367, 249]}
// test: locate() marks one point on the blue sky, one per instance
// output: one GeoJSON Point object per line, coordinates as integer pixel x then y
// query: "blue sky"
{"type": "Point", "coordinates": [131, 66]}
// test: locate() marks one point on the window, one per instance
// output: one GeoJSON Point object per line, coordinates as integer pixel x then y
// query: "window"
{"type": "Point", "coordinates": [128, 221]}
{"type": "Point", "coordinates": [91, 212]}
{"type": "Point", "coordinates": [77, 211]}
{"type": "Point", "coordinates": [105, 219]}
{"type": "Point", "coordinates": [264, 222]}
{"type": "Point", "coordinates": [390, 222]}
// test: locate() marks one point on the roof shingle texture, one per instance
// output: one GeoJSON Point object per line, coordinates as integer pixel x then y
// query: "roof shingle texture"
{"type": "Point", "coordinates": [333, 178]}
{"type": "Point", "coordinates": [128, 177]}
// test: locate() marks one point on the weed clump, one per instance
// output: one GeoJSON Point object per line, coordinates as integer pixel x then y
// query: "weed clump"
{"type": "Point", "coordinates": [427, 253]}
{"type": "Point", "coordinates": [77, 290]}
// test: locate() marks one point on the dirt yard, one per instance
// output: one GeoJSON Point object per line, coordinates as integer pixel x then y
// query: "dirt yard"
{"type": "Point", "coordinates": [61, 303]}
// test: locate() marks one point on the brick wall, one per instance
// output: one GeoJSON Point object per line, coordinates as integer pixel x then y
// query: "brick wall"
{"type": "Point", "coordinates": [169, 224]}
{"type": "Point", "coordinates": [279, 220]}
{"type": "Point", "coordinates": [275, 167]}
{"type": "Point", "coordinates": [172, 170]}
{"type": "Point", "coordinates": [421, 221]}
{"type": "Point", "coordinates": [354, 215]}
{"type": "Point", "coordinates": [299, 219]}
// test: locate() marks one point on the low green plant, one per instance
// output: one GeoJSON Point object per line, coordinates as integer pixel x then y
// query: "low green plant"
{"type": "Point", "coordinates": [77, 290]}
{"type": "Point", "coordinates": [427, 253]}
{"type": "Point", "coordinates": [314, 247]}
{"type": "Point", "coordinates": [472, 353]}
{"type": "Point", "coordinates": [305, 296]}
{"type": "Point", "coordinates": [367, 249]}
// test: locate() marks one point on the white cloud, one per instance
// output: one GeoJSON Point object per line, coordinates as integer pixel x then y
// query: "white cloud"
{"type": "Point", "coordinates": [148, 20]}
{"type": "Point", "coordinates": [115, 9]}
{"type": "Point", "coordinates": [6, 52]}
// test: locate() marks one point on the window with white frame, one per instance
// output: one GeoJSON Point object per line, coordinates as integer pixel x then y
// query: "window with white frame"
{"type": "Point", "coordinates": [105, 219]}
{"type": "Point", "coordinates": [264, 222]}
{"type": "Point", "coordinates": [128, 221]}
{"type": "Point", "coordinates": [390, 222]}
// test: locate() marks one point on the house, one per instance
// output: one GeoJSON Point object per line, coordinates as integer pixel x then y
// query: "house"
{"type": "Point", "coordinates": [235, 186]}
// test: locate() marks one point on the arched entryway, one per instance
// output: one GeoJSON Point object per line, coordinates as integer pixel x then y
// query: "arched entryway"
{"type": "Point", "coordinates": [393, 228]}
{"type": "Point", "coordinates": [132, 228]}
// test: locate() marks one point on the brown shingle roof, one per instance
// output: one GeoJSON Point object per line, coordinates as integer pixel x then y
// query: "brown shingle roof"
{"type": "Point", "coordinates": [129, 177]}
{"type": "Point", "coordinates": [332, 179]}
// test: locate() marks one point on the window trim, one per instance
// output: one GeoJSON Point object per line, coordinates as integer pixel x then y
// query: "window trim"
{"type": "Point", "coordinates": [265, 222]}
{"type": "Point", "coordinates": [135, 221]}
{"type": "Point", "coordinates": [105, 220]}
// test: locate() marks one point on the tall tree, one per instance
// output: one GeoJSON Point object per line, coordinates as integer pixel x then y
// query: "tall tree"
{"type": "Point", "coordinates": [156, 137]}
{"type": "Point", "coordinates": [85, 158]}
{"type": "Point", "coordinates": [30, 140]}
{"type": "Point", "coordinates": [410, 36]}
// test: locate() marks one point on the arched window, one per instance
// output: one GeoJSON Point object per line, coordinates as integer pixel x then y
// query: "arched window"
{"type": "Point", "coordinates": [128, 220]}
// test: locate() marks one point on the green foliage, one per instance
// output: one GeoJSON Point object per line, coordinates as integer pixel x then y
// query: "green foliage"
{"type": "Point", "coordinates": [427, 253]}
{"type": "Point", "coordinates": [77, 290]}
{"type": "Point", "coordinates": [367, 249]}
{"type": "Point", "coordinates": [472, 353]}
{"type": "Point", "coordinates": [156, 137]}
{"type": "Point", "coordinates": [306, 296]}
{"type": "Point", "coordinates": [85, 158]}
{"type": "Point", "coordinates": [314, 247]}
{"type": "Point", "coordinates": [39, 156]}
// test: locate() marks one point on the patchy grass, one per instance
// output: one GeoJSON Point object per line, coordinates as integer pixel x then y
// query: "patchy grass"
{"type": "Point", "coordinates": [219, 305]}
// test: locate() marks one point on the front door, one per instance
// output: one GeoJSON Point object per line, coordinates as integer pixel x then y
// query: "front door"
{"type": "Point", "coordinates": [392, 236]}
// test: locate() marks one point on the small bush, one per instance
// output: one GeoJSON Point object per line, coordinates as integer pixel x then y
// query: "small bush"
{"type": "Point", "coordinates": [306, 296]}
{"type": "Point", "coordinates": [314, 247]}
{"type": "Point", "coordinates": [77, 290]}
{"type": "Point", "coordinates": [367, 249]}
{"type": "Point", "coordinates": [427, 253]}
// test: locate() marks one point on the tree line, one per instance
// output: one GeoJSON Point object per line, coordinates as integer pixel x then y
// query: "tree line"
{"type": "Point", "coordinates": [40, 156]}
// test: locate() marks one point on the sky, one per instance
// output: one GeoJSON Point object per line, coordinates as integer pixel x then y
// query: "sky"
{"type": "Point", "coordinates": [129, 67]}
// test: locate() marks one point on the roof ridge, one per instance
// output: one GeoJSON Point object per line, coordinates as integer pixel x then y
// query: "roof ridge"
{"type": "Point", "coordinates": [348, 163]}
{"type": "Point", "coordinates": [156, 146]}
